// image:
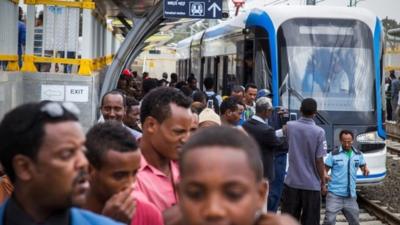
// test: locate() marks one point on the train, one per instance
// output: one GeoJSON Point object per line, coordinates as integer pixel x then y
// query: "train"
{"type": "Point", "coordinates": [332, 54]}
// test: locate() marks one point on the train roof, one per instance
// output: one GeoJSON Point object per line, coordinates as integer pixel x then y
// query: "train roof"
{"type": "Point", "coordinates": [280, 14]}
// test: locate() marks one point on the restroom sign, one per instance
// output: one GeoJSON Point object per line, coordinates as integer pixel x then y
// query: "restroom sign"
{"type": "Point", "coordinates": [76, 93]}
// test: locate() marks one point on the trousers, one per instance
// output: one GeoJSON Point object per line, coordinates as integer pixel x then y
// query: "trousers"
{"type": "Point", "coordinates": [304, 205]}
{"type": "Point", "coordinates": [335, 204]}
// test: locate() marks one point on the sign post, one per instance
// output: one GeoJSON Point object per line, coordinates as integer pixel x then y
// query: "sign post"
{"type": "Point", "coordinates": [202, 9]}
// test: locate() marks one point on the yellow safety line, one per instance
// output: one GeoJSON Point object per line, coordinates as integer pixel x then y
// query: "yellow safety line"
{"type": "Point", "coordinates": [15, 1]}
{"type": "Point", "coordinates": [83, 4]}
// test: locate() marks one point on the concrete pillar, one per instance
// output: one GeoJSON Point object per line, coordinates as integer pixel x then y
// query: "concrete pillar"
{"type": "Point", "coordinates": [9, 39]}
{"type": "Point", "coordinates": [87, 43]}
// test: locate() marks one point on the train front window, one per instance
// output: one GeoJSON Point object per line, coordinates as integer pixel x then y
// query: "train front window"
{"type": "Point", "coordinates": [328, 60]}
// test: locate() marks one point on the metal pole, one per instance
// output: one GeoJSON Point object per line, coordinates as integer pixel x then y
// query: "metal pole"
{"type": "Point", "coordinates": [87, 43]}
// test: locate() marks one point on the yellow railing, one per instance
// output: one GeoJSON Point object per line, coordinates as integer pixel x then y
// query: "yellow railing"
{"type": "Point", "coordinates": [85, 65]}
{"type": "Point", "coordinates": [83, 4]}
{"type": "Point", "coordinates": [12, 62]}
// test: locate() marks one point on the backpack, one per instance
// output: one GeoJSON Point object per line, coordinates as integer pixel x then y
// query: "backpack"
{"type": "Point", "coordinates": [215, 102]}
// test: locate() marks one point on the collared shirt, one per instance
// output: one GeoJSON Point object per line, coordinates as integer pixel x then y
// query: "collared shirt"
{"type": "Point", "coordinates": [156, 186]}
{"type": "Point", "coordinates": [307, 142]}
{"type": "Point", "coordinates": [14, 215]}
{"type": "Point", "coordinates": [344, 171]}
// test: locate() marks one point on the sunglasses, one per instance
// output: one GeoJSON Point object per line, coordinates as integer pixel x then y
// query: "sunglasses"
{"type": "Point", "coordinates": [55, 110]}
{"type": "Point", "coordinates": [52, 110]}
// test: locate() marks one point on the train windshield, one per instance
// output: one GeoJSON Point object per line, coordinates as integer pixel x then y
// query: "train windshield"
{"type": "Point", "coordinates": [328, 60]}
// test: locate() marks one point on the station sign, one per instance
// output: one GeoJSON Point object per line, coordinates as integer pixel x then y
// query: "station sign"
{"type": "Point", "coordinates": [201, 9]}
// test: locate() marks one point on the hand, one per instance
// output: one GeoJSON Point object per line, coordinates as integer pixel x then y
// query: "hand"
{"type": "Point", "coordinates": [121, 206]}
{"type": "Point", "coordinates": [284, 130]}
{"type": "Point", "coordinates": [172, 216]}
{"type": "Point", "coordinates": [365, 171]}
{"type": "Point", "coordinates": [327, 178]}
{"type": "Point", "coordinates": [324, 190]}
{"type": "Point", "coordinates": [275, 219]}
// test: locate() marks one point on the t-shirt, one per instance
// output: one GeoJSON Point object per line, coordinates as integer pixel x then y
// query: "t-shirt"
{"type": "Point", "coordinates": [158, 188]}
{"type": "Point", "coordinates": [146, 214]}
{"type": "Point", "coordinates": [307, 142]}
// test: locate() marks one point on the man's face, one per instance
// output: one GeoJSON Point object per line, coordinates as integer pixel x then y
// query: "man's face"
{"type": "Point", "coordinates": [219, 190]}
{"type": "Point", "coordinates": [113, 107]}
{"type": "Point", "coordinates": [59, 173]}
{"type": "Point", "coordinates": [250, 95]}
{"type": "Point", "coordinates": [132, 116]}
{"type": "Point", "coordinates": [169, 136]}
{"type": "Point", "coordinates": [117, 172]}
{"type": "Point", "coordinates": [195, 123]}
{"type": "Point", "coordinates": [193, 84]}
{"type": "Point", "coordinates": [239, 95]}
{"type": "Point", "coordinates": [122, 84]}
{"type": "Point", "coordinates": [347, 141]}
{"type": "Point", "coordinates": [234, 116]}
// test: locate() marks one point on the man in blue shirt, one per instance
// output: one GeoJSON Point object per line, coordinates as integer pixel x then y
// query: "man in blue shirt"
{"type": "Point", "coordinates": [344, 163]}
{"type": "Point", "coordinates": [42, 151]}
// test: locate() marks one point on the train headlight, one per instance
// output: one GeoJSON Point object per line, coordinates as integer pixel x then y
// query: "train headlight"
{"type": "Point", "coordinates": [370, 138]}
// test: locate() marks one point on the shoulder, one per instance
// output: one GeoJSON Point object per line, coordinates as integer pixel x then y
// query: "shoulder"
{"type": "Point", "coordinates": [81, 217]}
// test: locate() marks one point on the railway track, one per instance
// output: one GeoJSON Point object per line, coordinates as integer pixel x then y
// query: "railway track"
{"type": "Point", "coordinates": [393, 147]}
{"type": "Point", "coordinates": [381, 213]}
{"type": "Point", "coordinates": [371, 213]}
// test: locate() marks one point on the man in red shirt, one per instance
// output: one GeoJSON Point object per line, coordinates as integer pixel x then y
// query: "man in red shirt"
{"type": "Point", "coordinates": [166, 123]}
{"type": "Point", "coordinates": [114, 162]}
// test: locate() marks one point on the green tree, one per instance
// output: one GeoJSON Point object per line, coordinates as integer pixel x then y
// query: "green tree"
{"type": "Point", "coordinates": [389, 24]}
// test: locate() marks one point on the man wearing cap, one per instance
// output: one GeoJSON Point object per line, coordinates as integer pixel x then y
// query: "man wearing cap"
{"type": "Point", "coordinates": [209, 118]}
{"type": "Point", "coordinates": [42, 151]}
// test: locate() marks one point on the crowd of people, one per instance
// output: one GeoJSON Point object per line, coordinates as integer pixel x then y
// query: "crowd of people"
{"type": "Point", "coordinates": [165, 152]}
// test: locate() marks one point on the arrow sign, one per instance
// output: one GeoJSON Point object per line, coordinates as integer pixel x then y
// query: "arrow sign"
{"type": "Point", "coordinates": [200, 9]}
{"type": "Point", "coordinates": [214, 7]}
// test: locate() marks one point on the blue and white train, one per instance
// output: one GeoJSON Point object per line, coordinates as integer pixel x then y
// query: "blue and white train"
{"type": "Point", "coordinates": [332, 54]}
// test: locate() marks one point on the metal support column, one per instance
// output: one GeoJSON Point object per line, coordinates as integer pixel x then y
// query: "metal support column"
{"type": "Point", "coordinates": [87, 43]}
{"type": "Point", "coordinates": [130, 48]}
{"type": "Point", "coordinates": [28, 65]}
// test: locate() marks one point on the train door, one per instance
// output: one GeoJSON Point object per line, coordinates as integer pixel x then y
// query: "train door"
{"type": "Point", "coordinates": [257, 60]}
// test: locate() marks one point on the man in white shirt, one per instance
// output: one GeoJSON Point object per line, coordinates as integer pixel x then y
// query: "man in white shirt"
{"type": "Point", "coordinates": [113, 107]}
